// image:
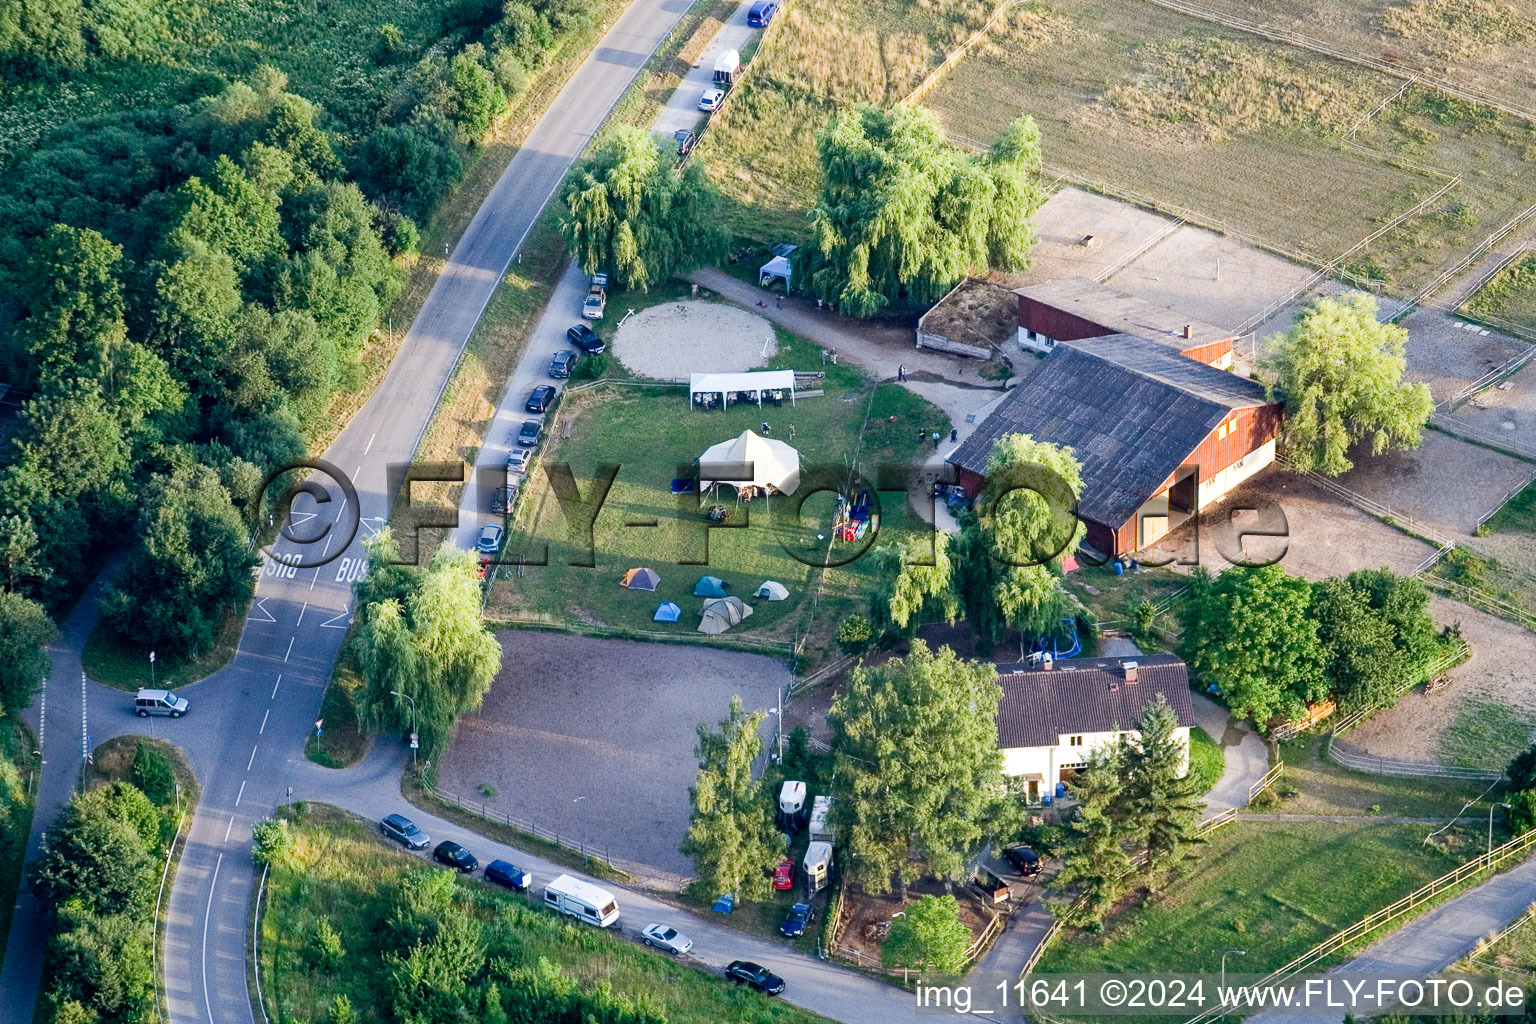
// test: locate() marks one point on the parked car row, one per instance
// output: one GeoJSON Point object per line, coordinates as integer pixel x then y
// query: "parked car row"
{"type": "Point", "coordinates": [587, 901]}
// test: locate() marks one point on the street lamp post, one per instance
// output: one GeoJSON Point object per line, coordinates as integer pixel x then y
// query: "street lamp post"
{"type": "Point", "coordinates": [1239, 952]}
{"type": "Point", "coordinates": [580, 802]}
{"type": "Point", "coordinates": [1491, 808]}
{"type": "Point", "coordinates": [414, 741]}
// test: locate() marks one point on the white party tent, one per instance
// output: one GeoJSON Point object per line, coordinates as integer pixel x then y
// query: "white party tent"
{"type": "Point", "coordinates": [750, 461]}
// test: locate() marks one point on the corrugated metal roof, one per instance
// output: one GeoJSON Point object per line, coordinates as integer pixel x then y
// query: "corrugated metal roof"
{"type": "Point", "coordinates": [1085, 695]}
{"type": "Point", "coordinates": [1131, 411]}
{"type": "Point", "coordinates": [1117, 311]}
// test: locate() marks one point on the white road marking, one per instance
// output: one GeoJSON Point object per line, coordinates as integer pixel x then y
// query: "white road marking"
{"type": "Point", "coordinates": [238, 797]}
{"type": "Point", "coordinates": [253, 758]}
{"type": "Point", "coordinates": [261, 606]}
{"type": "Point", "coordinates": [42, 721]}
{"type": "Point", "coordinates": [274, 688]}
{"type": "Point", "coordinates": [299, 623]}
{"type": "Point", "coordinates": [343, 614]}
{"type": "Point", "coordinates": [229, 828]}
{"type": "Point", "coordinates": [264, 719]}
{"type": "Point", "coordinates": [370, 443]}
{"type": "Point", "coordinates": [207, 1003]}
{"type": "Point", "coordinates": [290, 645]}
{"type": "Point", "coordinates": [85, 728]}
{"type": "Point", "coordinates": [315, 579]}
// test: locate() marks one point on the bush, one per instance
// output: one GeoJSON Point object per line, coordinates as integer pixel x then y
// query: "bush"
{"type": "Point", "coordinates": [1522, 811]}
{"type": "Point", "coordinates": [1522, 770]}
{"type": "Point", "coordinates": [152, 773]}
{"type": "Point", "coordinates": [341, 1011]}
{"type": "Point", "coordinates": [1206, 760]}
{"type": "Point", "coordinates": [1145, 617]}
{"type": "Point", "coordinates": [273, 843]}
{"type": "Point", "coordinates": [930, 934]}
{"type": "Point", "coordinates": [325, 952]}
{"type": "Point", "coordinates": [590, 366]}
{"type": "Point", "coordinates": [855, 635]}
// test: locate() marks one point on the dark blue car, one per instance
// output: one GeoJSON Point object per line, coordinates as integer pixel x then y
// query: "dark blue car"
{"type": "Point", "coordinates": [800, 915]}
{"type": "Point", "coordinates": [508, 874]}
{"type": "Point", "coordinates": [761, 13]}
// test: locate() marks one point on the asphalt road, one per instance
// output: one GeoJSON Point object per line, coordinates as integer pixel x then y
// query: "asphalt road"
{"type": "Point", "coordinates": [682, 109]}
{"type": "Point", "coordinates": [249, 721]}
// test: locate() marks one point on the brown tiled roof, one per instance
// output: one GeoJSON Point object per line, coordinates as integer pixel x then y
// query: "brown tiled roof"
{"type": "Point", "coordinates": [1131, 411]}
{"type": "Point", "coordinates": [1085, 695]}
{"type": "Point", "coordinates": [1120, 313]}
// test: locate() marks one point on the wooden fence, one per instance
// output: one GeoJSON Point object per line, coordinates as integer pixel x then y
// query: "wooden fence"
{"type": "Point", "coordinates": [1363, 762]}
{"type": "Point", "coordinates": [956, 55]}
{"type": "Point", "coordinates": [864, 961]}
{"type": "Point", "coordinates": [1440, 664]}
{"type": "Point", "coordinates": [1345, 937]}
{"type": "Point", "coordinates": [577, 845]}
{"type": "Point", "coordinates": [1267, 780]}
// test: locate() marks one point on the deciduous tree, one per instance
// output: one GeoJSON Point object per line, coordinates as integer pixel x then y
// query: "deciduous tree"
{"type": "Point", "coordinates": [928, 934]}
{"type": "Point", "coordinates": [903, 214]}
{"type": "Point", "coordinates": [917, 770]}
{"type": "Point", "coordinates": [918, 582]}
{"type": "Point", "coordinates": [1341, 371]}
{"type": "Point", "coordinates": [731, 837]}
{"type": "Point", "coordinates": [25, 633]}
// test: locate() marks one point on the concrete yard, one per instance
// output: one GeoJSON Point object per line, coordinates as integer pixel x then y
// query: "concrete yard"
{"type": "Point", "coordinates": [594, 738]}
{"type": "Point", "coordinates": [1119, 231]}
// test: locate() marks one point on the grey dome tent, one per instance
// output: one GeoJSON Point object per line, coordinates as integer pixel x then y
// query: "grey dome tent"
{"type": "Point", "coordinates": [709, 586]}
{"type": "Point", "coordinates": [773, 591]}
{"type": "Point", "coordinates": [721, 613]}
{"type": "Point", "coordinates": [667, 612]}
{"type": "Point", "coordinates": [640, 579]}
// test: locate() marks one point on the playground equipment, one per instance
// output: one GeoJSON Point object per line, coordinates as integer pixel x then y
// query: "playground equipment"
{"type": "Point", "coordinates": [1052, 643]}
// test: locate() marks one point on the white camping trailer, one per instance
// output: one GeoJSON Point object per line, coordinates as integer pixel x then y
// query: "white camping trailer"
{"type": "Point", "coordinates": [582, 900]}
{"type": "Point", "coordinates": [817, 867]}
{"type": "Point", "coordinates": [791, 806]}
{"type": "Point", "coordinates": [821, 809]}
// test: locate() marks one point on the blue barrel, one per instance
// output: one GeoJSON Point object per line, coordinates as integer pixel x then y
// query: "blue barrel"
{"type": "Point", "coordinates": [1046, 800]}
{"type": "Point", "coordinates": [1119, 569]}
{"type": "Point", "coordinates": [1061, 790]}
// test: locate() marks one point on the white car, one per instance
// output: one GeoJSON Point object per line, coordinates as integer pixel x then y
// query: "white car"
{"type": "Point", "coordinates": [667, 938]}
{"type": "Point", "coordinates": [712, 99]}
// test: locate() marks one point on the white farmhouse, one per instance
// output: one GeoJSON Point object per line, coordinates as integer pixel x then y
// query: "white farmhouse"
{"type": "Point", "coordinates": [1052, 715]}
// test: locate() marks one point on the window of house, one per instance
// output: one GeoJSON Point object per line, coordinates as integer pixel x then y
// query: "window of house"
{"type": "Point", "coordinates": [1074, 741]}
{"type": "Point", "coordinates": [1221, 431]}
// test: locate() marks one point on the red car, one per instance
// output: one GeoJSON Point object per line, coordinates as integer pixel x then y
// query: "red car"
{"type": "Point", "coordinates": [784, 875]}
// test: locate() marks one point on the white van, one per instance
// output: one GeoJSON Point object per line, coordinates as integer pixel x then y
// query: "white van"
{"type": "Point", "coordinates": [582, 900]}
{"type": "Point", "coordinates": [159, 702]}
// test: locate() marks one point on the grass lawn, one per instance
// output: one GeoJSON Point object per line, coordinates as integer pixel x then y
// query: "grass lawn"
{"type": "Point", "coordinates": [119, 661]}
{"type": "Point", "coordinates": [1518, 514]}
{"type": "Point", "coordinates": [1113, 599]}
{"type": "Point", "coordinates": [1486, 734]}
{"type": "Point", "coordinates": [1274, 889]}
{"type": "Point", "coordinates": [651, 434]}
{"type": "Point", "coordinates": [1510, 297]}
{"type": "Point", "coordinates": [348, 876]}
{"type": "Point", "coordinates": [1206, 761]}
{"type": "Point", "coordinates": [1514, 953]}
{"type": "Point", "coordinates": [1313, 783]}
{"type": "Point", "coordinates": [16, 746]}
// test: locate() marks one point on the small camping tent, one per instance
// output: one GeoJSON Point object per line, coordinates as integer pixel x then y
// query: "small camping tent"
{"type": "Point", "coordinates": [772, 591]}
{"type": "Point", "coordinates": [640, 579]}
{"type": "Point", "coordinates": [667, 612]}
{"type": "Point", "coordinates": [748, 460]}
{"type": "Point", "coordinates": [709, 586]}
{"type": "Point", "coordinates": [721, 613]}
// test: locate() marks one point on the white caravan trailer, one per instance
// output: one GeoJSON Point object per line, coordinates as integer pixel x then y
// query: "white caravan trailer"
{"type": "Point", "coordinates": [582, 900]}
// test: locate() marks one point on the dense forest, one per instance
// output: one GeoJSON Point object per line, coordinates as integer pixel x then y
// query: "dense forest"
{"type": "Point", "coordinates": [208, 205]}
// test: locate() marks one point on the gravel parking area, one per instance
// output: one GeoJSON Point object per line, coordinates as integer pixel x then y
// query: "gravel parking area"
{"type": "Point", "coordinates": [675, 339]}
{"type": "Point", "coordinates": [594, 738]}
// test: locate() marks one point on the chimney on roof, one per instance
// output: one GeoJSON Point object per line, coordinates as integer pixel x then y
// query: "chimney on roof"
{"type": "Point", "coordinates": [1129, 667]}
{"type": "Point", "coordinates": [1189, 330]}
{"type": "Point", "coordinates": [1045, 661]}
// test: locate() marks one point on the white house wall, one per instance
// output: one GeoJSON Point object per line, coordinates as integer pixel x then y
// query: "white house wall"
{"type": "Point", "coordinates": [1046, 763]}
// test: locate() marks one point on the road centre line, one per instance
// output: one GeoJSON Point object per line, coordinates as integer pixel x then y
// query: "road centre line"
{"type": "Point", "coordinates": [239, 796]}
{"type": "Point", "coordinates": [253, 758]}
{"type": "Point", "coordinates": [288, 652]}
{"type": "Point", "coordinates": [229, 828]}
{"type": "Point", "coordinates": [369, 447]}
{"type": "Point", "coordinates": [275, 686]}
{"type": "Point", "coordinates": [299, 623]}
{"type": "Point", "coordinates": [207, 1003]}
{"type": "Point", "coordinates": [263, 722]}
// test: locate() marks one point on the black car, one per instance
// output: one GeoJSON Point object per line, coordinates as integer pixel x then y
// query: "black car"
{"type": "Point", "coordinates": [1024, 860]}
{"type": "Point", "coordinates": [800, 915]}
{"type": "Point", "coordinates": [455, 856]}
{"type": "Point", "coordinates": [560, 366]}
{"type": "Point", "coordinates": [404, 831]}
{"type": "Point", "coordinates": [528, 433]}
{"type": "Point", "coordinates": [584, 338]}
{"type": "Point", "coordinates": [759, 977]}
{"type": "Point", "coordinates": [684, 139]}
{"type": "Point", "coordinates": [542, 398]}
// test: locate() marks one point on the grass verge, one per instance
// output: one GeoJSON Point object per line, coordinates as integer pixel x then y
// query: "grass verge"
{"type": "Point", "coordinates": [1518, 514]}
{"type": "Point", "coordinates": [116, 660]}
{"type": "Point", "coordinates": [344, 875]}
{"type": "Point", "coordinates": [16, 745]}
{"type": "Point", "coordinates": [1486, 734]}
{"type": "Point", "coordinates": [341, 742]}
{"type": "Point", "coordinates": [500, 831]}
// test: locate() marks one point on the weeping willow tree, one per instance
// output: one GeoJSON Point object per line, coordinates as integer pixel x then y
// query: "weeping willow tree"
{"type": "Point", "coordinates": [904, 214]}
{"type": "Point", "coordinates": [629, 213]}
{"type": "Point", "coordinates": [422, 636]}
